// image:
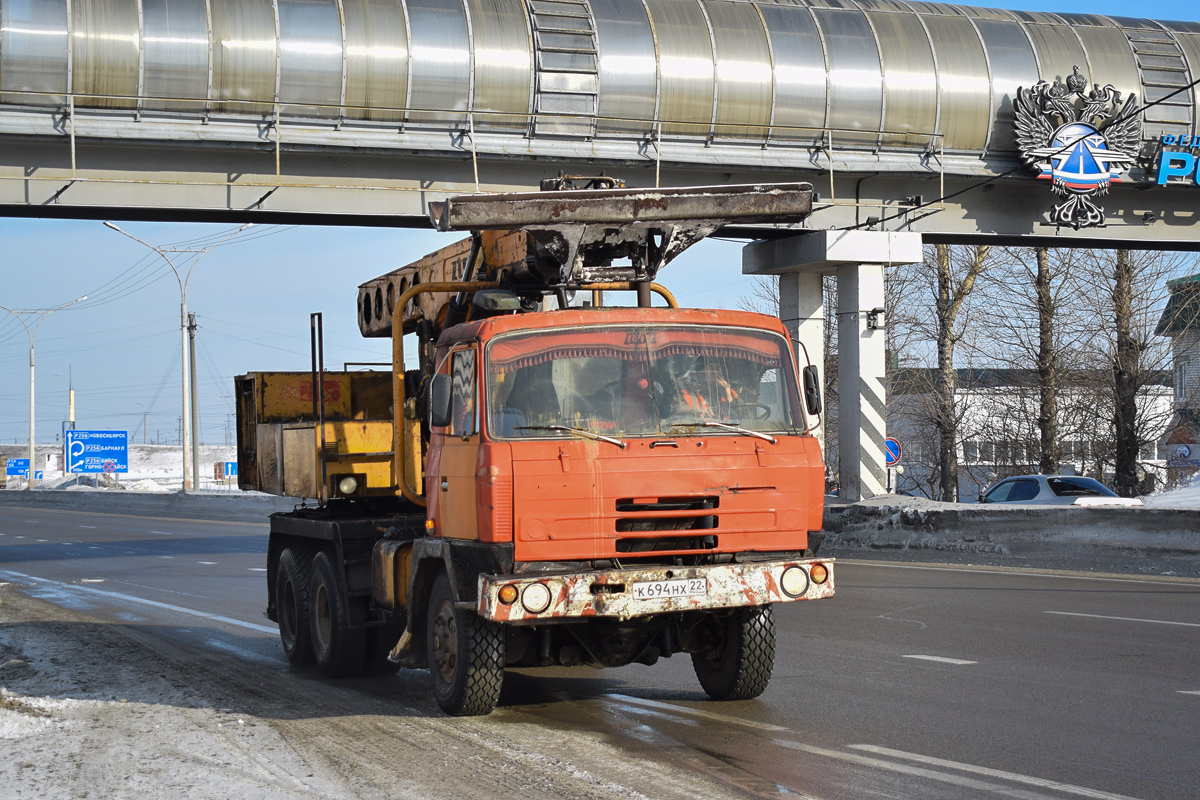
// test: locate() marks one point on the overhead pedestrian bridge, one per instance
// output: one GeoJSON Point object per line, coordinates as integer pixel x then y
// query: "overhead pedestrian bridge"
{"type": "Point", "coordinates": [365, 110]}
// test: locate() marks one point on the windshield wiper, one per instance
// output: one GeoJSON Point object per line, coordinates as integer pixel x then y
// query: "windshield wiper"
{"type": "Point", "coordinates": [709, 423]}
{"type": "Point", "coordinates": [577, 431]}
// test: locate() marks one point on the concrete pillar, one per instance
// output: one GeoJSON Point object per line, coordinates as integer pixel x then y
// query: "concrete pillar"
{"type": "Point", "coordinates": [802, 310]}
{"type": "Point", "coordinates": [858, 259]}
{"type": "Point", "coordinates": [862, 393]}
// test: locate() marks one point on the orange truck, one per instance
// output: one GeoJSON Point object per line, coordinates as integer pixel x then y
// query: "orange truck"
{"type": "Point", "coordinates": [554, 480]}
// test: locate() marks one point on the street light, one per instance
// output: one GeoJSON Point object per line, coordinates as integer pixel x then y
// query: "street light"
{"type": "Point", "coordinates": [41, 314]}
{"type": "Point", "coordinates": [191, 464]}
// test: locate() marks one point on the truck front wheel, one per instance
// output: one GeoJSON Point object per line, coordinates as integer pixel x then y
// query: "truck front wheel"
{"type": "Point", "coordinates": [739, 667]}
{"type": "Point", "coordinates": [340, 651]}
{"type": "Point", "coordinates": [466, 655]}
{"type": "Point", "coordinates": [291, 603]}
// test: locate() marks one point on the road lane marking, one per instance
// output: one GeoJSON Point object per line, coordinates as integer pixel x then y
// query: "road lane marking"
{"type": "Point", "coordinates": [129, 598]}
{"type": "Point", "coordinates": [1029, 573]}
{"type": "Point", "coordinates": [1015, 777]}
{"type": "Point", "coordinates": [1187, 691]}
{"type": "Point", "coordinates": [1125, 619]}
{"type": "Point", "coordinates": [942, 660]}
{"type": "Point", "coordinates": [695, 712]}
{"type": "Point", "coordinates": [625, 701]}
{"type": "Point", "coordinates": [207, 563]}
{"type": "Point", "coordinates": [166, 556]}
{"type": "Point", "coordinates": [164, 533]}
{"type": "Point", "coordinates": [92, 580]}
{"type": "Point", "coordinates": [977, 786]}
{"type": "Point", "coordinates": [93, 527]}
{"type": "Point", "coordinates": [258, 569]}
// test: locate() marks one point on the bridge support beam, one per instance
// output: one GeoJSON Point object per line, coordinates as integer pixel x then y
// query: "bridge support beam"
{"type": "Point", "coordinates": [857, 260]}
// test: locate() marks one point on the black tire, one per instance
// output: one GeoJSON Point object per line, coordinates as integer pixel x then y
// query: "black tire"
{"type": "Point", "coordinates": [739, 668]}
{"type": "Point", "coordinates": [292, 581]}
{"type": "Point", "coordinates": [466, 655]}
{"type": "Point", "coordinates": [340, 651]}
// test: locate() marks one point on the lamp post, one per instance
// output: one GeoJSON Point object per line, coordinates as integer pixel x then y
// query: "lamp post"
{"type": "Point", "coordinates": [182, 279]}
{"type": "Point", "coordinates": [40, 314]}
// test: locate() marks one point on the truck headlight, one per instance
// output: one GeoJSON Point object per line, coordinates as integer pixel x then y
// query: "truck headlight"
{"type": "Point", "coordinates": [348, 485]}
{"type": "Point", "coordinates": [536, 597]}
{"type": "Point", "coordinates": [794, 582]}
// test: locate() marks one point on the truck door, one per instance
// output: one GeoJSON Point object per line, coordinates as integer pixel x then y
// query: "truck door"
{"type": "Point", "coordinates": [452, 473]}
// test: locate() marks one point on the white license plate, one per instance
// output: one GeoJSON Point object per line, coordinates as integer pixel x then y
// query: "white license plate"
{"type": "Point", "coordinates": [652, 590]}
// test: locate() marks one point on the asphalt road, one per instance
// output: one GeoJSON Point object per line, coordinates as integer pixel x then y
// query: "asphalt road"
{"type": "Point", "coordinates": [914, 682]}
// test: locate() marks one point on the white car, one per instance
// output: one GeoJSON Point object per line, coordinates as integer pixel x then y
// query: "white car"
{"type": "Point", "coordinates": [1054, 490]}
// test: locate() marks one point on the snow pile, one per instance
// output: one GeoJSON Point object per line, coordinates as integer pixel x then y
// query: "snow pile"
{"type": "Point", "coordinates": [1185, 497]}
{"type": "Point", "coordinates": [152, 468]}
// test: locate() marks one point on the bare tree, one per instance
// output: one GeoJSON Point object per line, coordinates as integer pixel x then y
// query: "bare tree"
{"type": "Point", "coordinates": [1037, 321]}
{"type": "Point", "coordinates": [1125, 369]}
{"type": "Point", "coordinates": [1134, 360]}
{"type": "Point", "coordinates": [955, 280]}
{"type": "Point", "coordinates": [1049, 453]}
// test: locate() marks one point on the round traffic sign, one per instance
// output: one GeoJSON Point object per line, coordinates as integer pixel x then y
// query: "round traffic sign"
{"type": "Point", "coordinates": [110, 467]}
{"type": "Point", "coordinates": [893, 451]}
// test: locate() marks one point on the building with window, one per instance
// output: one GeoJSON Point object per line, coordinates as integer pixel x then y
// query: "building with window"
{"type": "Point", "coordinates": [1181, 322]}
{"type": "Point", "coordinates": [996, 411]}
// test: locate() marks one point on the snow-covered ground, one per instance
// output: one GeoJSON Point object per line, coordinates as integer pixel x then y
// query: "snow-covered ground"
{"type": "Point", "coordinates": [1184, 497]}
{"type": "Point", "coordinates": [152, 468]}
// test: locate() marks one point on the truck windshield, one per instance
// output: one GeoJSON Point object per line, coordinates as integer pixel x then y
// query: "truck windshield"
{"type": "Point", "coordinates": [640, 381]}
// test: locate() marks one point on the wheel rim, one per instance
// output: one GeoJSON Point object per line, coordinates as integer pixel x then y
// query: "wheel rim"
{"type": "Point", "coordinates": [445, 642]}
{"type": "Point", "coordinates": [323, 626]}
{"type": "Point", "coordinates": [288, 613]}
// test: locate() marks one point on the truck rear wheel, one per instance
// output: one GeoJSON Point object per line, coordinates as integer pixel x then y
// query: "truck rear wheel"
{"type": "Point", "coordinates": [340, 651]}
{"type": "Point", "coordinates": [466, 655]}
{"type": "Point", "coordinates": [291, 604]}
{"type": "Point", "coordinates": [739, 668]}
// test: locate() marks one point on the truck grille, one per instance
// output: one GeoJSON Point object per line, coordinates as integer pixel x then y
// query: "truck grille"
{"type": "Point", "coordinates": [694, 503]}
{"type": "Point", "coordinates": [648, 514]}
{"type": "Point", "coordinates": [666, 543]}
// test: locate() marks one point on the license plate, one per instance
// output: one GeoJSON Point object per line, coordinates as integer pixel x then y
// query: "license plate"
{"type": "Point", "coordinates": [687, 587]}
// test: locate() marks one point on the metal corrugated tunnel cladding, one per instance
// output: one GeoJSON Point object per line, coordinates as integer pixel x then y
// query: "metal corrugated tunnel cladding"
{"type": "Point", "coordinates": [897, 83]}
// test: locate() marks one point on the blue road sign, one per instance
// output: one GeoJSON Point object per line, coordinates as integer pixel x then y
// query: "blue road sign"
{"type": "Point", "coordinates": [230, 469]}
{"type": "Point", "coordinates": [97, 451]}
{"type": "Point", "coordinates": [893, 451]}
{"type": "Point", "coordinates": [18, 467]}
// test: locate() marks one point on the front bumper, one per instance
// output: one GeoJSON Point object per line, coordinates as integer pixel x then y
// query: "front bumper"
{"type": "Point", "coordinates": [610, 594]}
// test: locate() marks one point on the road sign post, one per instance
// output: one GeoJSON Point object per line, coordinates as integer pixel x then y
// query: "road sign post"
{"type": "Point", "coordinates": [893, 452]}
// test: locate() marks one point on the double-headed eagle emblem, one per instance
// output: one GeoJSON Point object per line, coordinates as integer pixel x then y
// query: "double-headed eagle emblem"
{"type": "Point", "coordinates": [1080, 142]}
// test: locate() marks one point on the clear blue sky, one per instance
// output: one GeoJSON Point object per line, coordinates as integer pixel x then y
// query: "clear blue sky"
{"type": "Point", "coordinates": [252, 298]}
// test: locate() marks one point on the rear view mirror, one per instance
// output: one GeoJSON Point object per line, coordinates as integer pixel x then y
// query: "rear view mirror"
{"type": "Point", "coordinates": [439, 401]}
{"type": "Point", "coordinates": [812, 389]}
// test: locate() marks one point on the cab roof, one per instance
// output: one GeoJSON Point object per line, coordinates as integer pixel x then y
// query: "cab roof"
{"type": "Point", "coordinates": [548, 320]}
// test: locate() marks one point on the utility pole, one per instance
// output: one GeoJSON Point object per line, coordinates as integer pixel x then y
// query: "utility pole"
{"type": "Point", "coordinates": [41, 314]}
{"type": "Point", "coordinates": [195, 402]}
{"type": "Point", "coordinates": [182, 279]}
